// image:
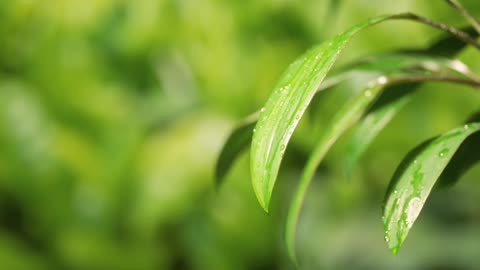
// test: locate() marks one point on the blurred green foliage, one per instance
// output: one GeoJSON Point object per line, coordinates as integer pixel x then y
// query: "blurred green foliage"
{"type": "Point", "coordinates": [112, 114]}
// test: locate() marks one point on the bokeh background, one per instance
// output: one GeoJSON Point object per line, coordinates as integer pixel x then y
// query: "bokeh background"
{"type": "Point", "coordinates": [113, 112]}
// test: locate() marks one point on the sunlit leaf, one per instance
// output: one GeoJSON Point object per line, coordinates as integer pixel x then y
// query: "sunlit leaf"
{"type": "Point", "coordinates": [414, 180]}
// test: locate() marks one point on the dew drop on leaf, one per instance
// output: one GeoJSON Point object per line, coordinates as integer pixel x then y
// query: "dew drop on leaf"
{"type": "Point", "coordinates": [413, 210]}
{"type": "Point", "coordinates": [443, 152]}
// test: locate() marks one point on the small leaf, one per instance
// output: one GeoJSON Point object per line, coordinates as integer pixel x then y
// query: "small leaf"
{"type": "Point", "coordinates": [236, 143]}
{"type": "Point", "coordinates": [286, 106]}
{"type": "Point", "coordinates": [414, 180]}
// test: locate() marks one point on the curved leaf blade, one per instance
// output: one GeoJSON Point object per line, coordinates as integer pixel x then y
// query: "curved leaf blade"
{"type": "Point", "coordinates": [286, 106]}
{"type": "Point", "coordinates": [414, 179]}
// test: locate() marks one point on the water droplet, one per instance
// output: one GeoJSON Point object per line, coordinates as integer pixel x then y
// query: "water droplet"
{"type": "Point", "coordinates": [262, 109]}
{"type": "Point", "coordinates": [395, 192]}
{"type": "Point", "coordinates": [282, 147]}
{"type": "Point", "coordinates": [459, 66]}
{"type": "Point", "coordinates": [415, 161]}
{"type": "Point", "coordinates": [254, 130]}
{"type": "Point", "coordinates": [413, 210]}
{"type": "Point", "coordinates": [443, 152]}
{"type": "Point", "coordinates": [387, 238]}
{"type": "Point", "coordinates": [382, 80]}
{"type": "Point", "coordinates": [466, 126]}
{"type": "Point", "coordinates": [368, 93]}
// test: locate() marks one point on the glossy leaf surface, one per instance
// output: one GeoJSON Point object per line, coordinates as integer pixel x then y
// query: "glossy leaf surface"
{"type": "Point", "coordinates": [414, 179]}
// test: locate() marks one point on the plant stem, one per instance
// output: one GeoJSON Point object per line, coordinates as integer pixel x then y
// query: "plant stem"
{"type": "Point", "coordinates": [432, 78]}
{"type": "Point", "coordinates": [461, 35]}
{"type": "Point", "coordinates": [472, 20]}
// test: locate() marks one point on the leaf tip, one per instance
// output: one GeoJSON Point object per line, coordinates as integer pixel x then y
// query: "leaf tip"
{"type": "Point", "coordinates": [394, 250]}
{"type": "Point", "coordinates": [262, 199]}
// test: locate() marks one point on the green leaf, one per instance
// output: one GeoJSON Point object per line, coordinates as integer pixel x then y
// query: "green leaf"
{"type": "Point", "coordinates": [236, 143]}
{"type": "Point", "coordinates": [414, 180]}
{"type": "Point", "coordinates": [286, 106]}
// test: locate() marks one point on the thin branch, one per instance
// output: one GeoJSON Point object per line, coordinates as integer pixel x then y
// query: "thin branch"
{"type": "Point", "coordinates": [472, 20]}
{"type": "Point", "coordinates": [461, 35]}
{"type": "Point", "coordinates": [431, 78]}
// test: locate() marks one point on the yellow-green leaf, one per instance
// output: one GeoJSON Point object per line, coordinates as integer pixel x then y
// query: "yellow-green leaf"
{"type": "Point", "coordinates": [414, 179]}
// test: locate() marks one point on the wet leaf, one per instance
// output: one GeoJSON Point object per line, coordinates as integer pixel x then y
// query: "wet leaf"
{"type": "Point", "coordinates": [414, 179]}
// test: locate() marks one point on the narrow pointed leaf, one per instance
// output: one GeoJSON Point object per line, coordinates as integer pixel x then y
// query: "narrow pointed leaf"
{"type": "Point", "coordinates": [414, 179]}
{"type": "Point", "coordinates": [286, 106]}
